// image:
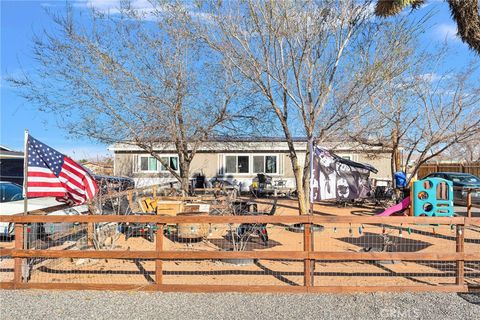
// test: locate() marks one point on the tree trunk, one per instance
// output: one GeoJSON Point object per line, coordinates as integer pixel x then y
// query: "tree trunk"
{"type": "Point", "coordinates": [306, 181]}
{"type": "Point", "coordinates": [184, 177]}
{"type": "Point", "coordinates": [297, 172]}
{"type": "Point", "coordinates": [398, 159]}
{"type": "Point", "coordinates": [392, 167]}
{"type": "Point", "coordinates": [301, 194]}
{"type": "Point", "coordinates": [395, 159]}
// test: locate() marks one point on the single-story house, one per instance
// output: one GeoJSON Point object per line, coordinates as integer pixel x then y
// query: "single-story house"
{"type": "Point", "coordinates": [236, 160]}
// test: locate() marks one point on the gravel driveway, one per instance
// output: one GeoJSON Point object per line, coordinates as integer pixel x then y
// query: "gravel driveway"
{"type": "Point", "coordinates": [38, 304]}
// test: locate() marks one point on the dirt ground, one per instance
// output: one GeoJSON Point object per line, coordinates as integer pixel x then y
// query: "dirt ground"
{"type": "Point", "coordinates": [329, 237]}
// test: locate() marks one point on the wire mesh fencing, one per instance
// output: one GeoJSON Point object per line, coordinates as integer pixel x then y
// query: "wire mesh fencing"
{"type": "Point", "coordinates": [355, 237]}
{"type": "Point", "coordinates": [238, 237]}
{"type": "Point", "coordinates": [141, 236]}
{"type": "Point", "coordinates": [384, 273]}
{"type": "Point", "coordinates": [472, 238]}
{"type": "Point", "coordinates": [385, 238]}
{"type": "Point", "coordinates": [231, 237]}
{"type": "Point", "coordinates": [472, 273]}
{"type": "Point", "coordinates": [74, 236]}
{"type": "Point", "coordinates": [175, 238]}
{"type": "Point", "coordinates": [472, 245]}
{"type": "Point", "coordinates": [253, 272]}
{"type": "Point", "coordinates": [148, 245]}
{"type": "Point", "coordinates": [6, 262]}
{"type": "Point", "coordinates": [6, 269]}
{"type": "Point", "coordinates": [246, 271]}
{"type": "Point", "coordinates": [91, 271]}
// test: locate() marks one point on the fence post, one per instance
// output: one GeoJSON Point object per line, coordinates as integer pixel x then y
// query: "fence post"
{"type": "Point", "coordinates": [460, 249]}
{"type": "Point", "coordinates": [469, 203]}
{"type": "Point", "coordinates": [18, 262]}
{"type": "Point", "coordinates": [90, 234]}
{"type": "Point", "coordinates": [307, 247]}
{"type": "Point", "coordinates": [159, 261]}
{"type": "Point", "coordinates": [154, 191]}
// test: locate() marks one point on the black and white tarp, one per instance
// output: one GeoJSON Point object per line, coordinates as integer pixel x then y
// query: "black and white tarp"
{"type": "Point", "coordinates": [336, 178]}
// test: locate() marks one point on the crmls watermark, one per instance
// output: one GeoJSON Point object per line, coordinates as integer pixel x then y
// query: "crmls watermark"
{"type": "Point", "coordinates": [399, 313]}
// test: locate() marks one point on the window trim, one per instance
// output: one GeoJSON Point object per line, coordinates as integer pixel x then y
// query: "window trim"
{"type": "Point", "coordinates": [265, 155]}
{"type": "Point", "coordinates": [159, 164]}
{"type": "Point", "coordinates": [250, 163]}
{"type": "Point", "coordinates": [236, 155]}
{"type": "Point", "coordinates": [148, 164]}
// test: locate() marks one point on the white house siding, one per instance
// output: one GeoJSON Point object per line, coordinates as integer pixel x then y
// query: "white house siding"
{"type": "Point", "coordinates": [210, 162]}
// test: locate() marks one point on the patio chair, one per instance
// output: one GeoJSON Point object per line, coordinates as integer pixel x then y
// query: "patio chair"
{"type": "Point", "coordinates": [273, 209]}
{"type": "Point", "coordinates": [146, 230]}
{"type": "Point", "coordinates": [260, 229]}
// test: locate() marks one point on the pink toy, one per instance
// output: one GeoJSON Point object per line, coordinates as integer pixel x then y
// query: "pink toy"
{"type": "Point", "coordinates": [396, 208]}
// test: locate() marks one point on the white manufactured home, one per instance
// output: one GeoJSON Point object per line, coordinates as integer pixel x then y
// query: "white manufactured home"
{"type": "Point", "coordinates": [236, 160]}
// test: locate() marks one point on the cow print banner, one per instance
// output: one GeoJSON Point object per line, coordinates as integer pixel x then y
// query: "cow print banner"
{"type": "Point", "coordinates": [336, 178]}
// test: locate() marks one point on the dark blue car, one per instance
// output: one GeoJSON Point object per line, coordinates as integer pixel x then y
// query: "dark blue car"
{"type": "Point", "coordinates": [460, 182]}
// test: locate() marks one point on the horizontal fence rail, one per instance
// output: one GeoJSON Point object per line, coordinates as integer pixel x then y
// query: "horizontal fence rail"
{"type": "Point", "coordinates": [325, 254]}
{"type": "Point", "coordinates": [405, 256]}
{"type": "Point", "coordinates": [241, 219]}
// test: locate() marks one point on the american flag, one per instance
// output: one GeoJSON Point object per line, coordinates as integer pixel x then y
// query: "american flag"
{"type": "Point", "coordinates": [52, 174]}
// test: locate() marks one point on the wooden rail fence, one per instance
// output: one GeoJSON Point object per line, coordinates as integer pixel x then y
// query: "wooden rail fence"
{"type": "Point", "coordinates": [309, 254]}
{"type": "Point", "coordinates": [426, 169]}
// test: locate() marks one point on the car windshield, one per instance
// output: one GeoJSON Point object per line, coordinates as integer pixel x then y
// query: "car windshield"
{"type": "Point", "coordinates": [464, 178]}
{"type": "Point", "coordinates": [10, 192]}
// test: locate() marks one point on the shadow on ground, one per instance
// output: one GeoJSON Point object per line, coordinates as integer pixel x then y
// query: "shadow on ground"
{"type": "Point", "coordinates": [473, 298]}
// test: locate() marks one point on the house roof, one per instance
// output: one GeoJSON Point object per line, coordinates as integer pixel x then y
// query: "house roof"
{"type": "Point", "coordinates": [246, 144]}
{"type": "Point", "coordinates": [254, 139]}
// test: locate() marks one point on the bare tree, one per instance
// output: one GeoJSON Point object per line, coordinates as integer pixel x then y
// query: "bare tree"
{"type": "Point", "coordinates": [423, 115]}
{"type": "Point", "coordinates": [134, 78]}
{"type": "Point", "coordinates": [388, 116]}
{"type": "Point", "coordinates": [449, 114]}
{"type": "Point", "coordinates": [386, 125]}
{"type": "Point", "coordinates": [313, 63]}
{"type": "Point", "coordinates": [466, 151]}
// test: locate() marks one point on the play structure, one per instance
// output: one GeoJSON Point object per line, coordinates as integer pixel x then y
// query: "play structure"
{"type": "Point", "coordinates": [432, 197]}
{"type": "Point", "coordinates": [398, 208]}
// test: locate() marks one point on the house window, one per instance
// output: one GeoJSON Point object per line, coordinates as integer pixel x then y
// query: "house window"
{"type": "Point", "coordinates": [258, 164]}
{"type": "Point", "coordinates": [242, 164]}
{"type": "Point", "coordinates": [251, 164]}
{"type": "Point", "coordinates": [237, 164]}
{"type": "Point", "coordinates": [151, 164]}
{"type": "Point", "coordinates": [148, 164]}
{"type": "Point", "coordinates": [265, 164]}
{"type": "Point", "coordinates": [171, 161]}
{"type": "Point", "coordinates": [230, 164]}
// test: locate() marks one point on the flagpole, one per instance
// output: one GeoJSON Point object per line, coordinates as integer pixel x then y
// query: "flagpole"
{"type": "Point", "coordinates": [25, 262]}
{"type": "Point", "coordinates": [25, 173]}
{"type": "Point", "coordinates": [310, 145]}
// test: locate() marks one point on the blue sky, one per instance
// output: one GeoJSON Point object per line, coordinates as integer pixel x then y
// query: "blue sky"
{"type": "Point", "coordinates": [19, 21]}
